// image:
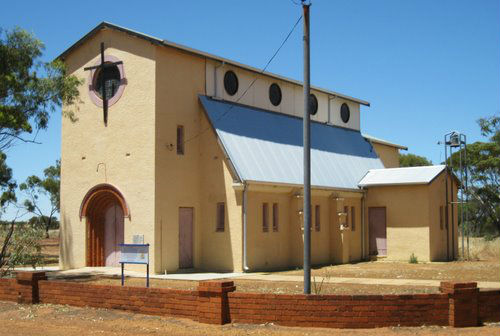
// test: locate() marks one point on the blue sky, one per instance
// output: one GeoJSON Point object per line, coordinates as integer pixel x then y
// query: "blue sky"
{"type": "Point", "coordinates": [426, 66]}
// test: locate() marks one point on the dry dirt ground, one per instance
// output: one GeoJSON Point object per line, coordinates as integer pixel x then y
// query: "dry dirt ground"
{"type": "Point", "coordinates": [52, 320]}
{"type": "Point", "coordinates": [483, 270]}
{"type": "Point", "coordinates": [261, 286]}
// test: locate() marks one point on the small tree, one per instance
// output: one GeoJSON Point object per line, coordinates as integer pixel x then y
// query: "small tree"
{"type": "Point", "coordinates": [412, 160]}
{"type": "Point", "coordinates": [20, 247]}
{"type": "Point", "coordinates": [483, 158]}
{"type": "Point", "coordinates": [48, 187]}
{"type": "Point", "coordinates": [26, 97]}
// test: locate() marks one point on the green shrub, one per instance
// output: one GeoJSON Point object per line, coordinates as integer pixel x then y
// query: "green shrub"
{"type": "Point", "coordinates": [413, 259]}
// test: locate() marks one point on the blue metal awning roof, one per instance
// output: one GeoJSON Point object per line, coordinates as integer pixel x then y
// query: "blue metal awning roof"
{"type": "Point", "coordinates": [266, 146]}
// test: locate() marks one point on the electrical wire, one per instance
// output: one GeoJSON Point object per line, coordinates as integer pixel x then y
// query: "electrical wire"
{"type": "Point", "coordinates": [252, 83]}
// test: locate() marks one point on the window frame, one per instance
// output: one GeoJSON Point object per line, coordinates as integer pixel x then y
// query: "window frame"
{"type": "Point", "coordinates": [265, 217]}
{"type": "Point", "coordinates": [180, 140]}
{"type": "Point", "coordinates": [275, 217]}
{"type": "Point", "coordinates": [317, 218]}
{"type": "Point", "coordinates": [94, 97]}
{"type": "Point", "coordinates": [220, 217]}
{"type": "Point", "coordinates": [353, 218]}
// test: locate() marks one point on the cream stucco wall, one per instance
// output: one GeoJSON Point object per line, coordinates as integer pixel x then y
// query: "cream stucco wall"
{"type": "Point", "coordinates": [124, 149]}
{"type": "Point", "coordinates": [221, 251]}
{"type": "Point", "coordinates": [407, 215]}
{"type": "Point", "coordinates": [438, 240]}
{"type": "Point", "coordinates": [292, 102]}
{"type": "Point", "coordinates": [179, 80]}
{"type": "Point", "coordinates": [388, 154]}
{"type": "Point", "coordinates": [412, 217]}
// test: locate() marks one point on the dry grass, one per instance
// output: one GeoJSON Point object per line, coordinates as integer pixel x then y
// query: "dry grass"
{"type": "Point", "coordinates": [481, 249]}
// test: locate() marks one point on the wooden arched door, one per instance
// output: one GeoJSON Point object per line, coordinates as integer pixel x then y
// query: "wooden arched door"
{"type": "Point", "coordinates": [104, 209]}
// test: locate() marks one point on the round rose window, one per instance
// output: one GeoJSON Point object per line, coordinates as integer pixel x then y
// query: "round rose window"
{"type": "Point", "coordinates": [113, 77]}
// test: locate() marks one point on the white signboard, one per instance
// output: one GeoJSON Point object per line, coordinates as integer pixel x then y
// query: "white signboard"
{"type": "Point", "coordinates": [134, 253]}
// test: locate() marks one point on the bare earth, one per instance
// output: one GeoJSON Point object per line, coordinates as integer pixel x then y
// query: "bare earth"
{"type": "Point", "coordinates": [484, 270]}
{"type": "Point", "coordinates": [49, 320]}
{"type": "Point", "coordinates": [275, 287]}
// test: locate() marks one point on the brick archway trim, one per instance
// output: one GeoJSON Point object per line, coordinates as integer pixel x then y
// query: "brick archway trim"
{"type": "Point", "coordinates": [101, 191]}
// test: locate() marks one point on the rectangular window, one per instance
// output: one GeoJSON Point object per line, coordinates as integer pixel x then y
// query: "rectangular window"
{"type": "Point", "coordinates": [353, 222]}
{"type": "Point", "coordinates": [317, 218]}
{"type": "Point", "coordinates": [346, 211]}
{"type": "Point", "coordinates": [221, 217]}
{"type": "Point", "coordinates": [180, 140]}
{"type": "Point", "coordinates": [441, 219]}
{"type": "Point", "coordinates": [275, 217]}
{"type": "Point", "coordinates": [265, 223]}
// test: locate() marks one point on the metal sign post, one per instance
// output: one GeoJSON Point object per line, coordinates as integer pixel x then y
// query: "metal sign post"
{"type": "Point", "coordinates": [134, 254]}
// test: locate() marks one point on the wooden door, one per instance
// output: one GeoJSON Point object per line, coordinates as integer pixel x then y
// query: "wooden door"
{"type": "Point", "coordinates": [378, 231]}
{"type": "Point", "coordinates": [113, 234]}
{"type": "Point", "coordinates": [186, 237]}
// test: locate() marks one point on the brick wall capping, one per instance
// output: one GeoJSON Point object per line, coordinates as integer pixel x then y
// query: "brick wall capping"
{"type": "Point", "coordinates": [458, 285]}
{"type": "Point", "coordinates": [216, 284]}
{"type": "Point", "coordinates": [30, 275]}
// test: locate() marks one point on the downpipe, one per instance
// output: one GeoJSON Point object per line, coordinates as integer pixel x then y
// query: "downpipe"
{"type": "Point", "coordinates": [244, 210]}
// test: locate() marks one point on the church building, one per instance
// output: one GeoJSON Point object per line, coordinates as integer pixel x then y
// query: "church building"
{"type": "Point", "coordinates": [201, 157]}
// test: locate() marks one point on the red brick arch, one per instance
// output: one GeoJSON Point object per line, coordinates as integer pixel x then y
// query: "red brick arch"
{"type": "Point", "coordinates": [104, 193]}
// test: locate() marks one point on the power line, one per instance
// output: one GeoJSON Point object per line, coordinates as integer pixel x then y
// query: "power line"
{"type": "Point", "coordinates": [253, 82]}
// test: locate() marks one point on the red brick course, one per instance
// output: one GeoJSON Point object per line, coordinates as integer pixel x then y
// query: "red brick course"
{"type": "Point", "coordinates": [489, 306]}
{"type": "Point", "coordinates": [216, 302]}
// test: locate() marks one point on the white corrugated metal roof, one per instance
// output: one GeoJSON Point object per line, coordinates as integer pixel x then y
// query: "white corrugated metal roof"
{"type": "Point", "coordinates": [266, 146]}
{"type": "Point", "coordinates": [401, 176]}
{"type": "Point", "coordinates": [382, 141]}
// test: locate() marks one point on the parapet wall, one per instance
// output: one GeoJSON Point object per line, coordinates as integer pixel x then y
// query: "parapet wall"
{"type": "Point", "coordinates": [216, 302]}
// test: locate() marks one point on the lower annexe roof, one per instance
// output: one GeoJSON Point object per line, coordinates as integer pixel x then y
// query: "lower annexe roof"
{"type": "Point", "coordinates": [266, 146]}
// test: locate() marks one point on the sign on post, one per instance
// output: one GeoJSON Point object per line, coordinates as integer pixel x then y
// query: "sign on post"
{"type": "Point", "coordinates": [134, 254]}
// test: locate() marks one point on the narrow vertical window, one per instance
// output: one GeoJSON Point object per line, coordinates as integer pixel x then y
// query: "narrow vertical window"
{"type": "Point", "coordinates": [221, 217]}
{"type": "Point", "coordinates": [317, 218]}
{"type": "Point", "coordinates": [441, 219]}
{"type": "Point", "coordinates": [353, 218]}
{"type": "Point", "coordinates": [265, 223]}
{"type": "Point", "coordinates": [346, 211]}
{"type": "Point", "coordinates": [275, 217]}
{"type": "Point", "coordinates": [180, 140]}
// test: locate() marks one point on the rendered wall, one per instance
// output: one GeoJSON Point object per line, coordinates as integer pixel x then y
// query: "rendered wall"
{"type": "Point", "coordinates": [268, 250]}
{"type": "Point", "coordinates": [127, 142]}
{"type": "Point", "coordinates": [407, 219]}
{"type": "Point", "coordinates": [220, 251]}
{"type": "Point", "coordinates": [388, 154]}
{"type": "Point", "coordinates": [292, 102]}
{"type": "Point", "coordinates": [179, 80]}
{"type": "Point", "coordinates": [438, 241]}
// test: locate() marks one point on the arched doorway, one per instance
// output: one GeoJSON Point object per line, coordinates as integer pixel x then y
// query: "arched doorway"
{"type": "Point", "coordinates": [104, 209]}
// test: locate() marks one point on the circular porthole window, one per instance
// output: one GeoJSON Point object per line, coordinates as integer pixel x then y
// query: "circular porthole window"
{"type": "Point", "coordinates": [111, 81]}
{"type": "Point", "coordinates": [345, 113]}
{"type": "Point", "coordinates": [275, 94]}
{"type": "Point", "coordinates": [230, 83]}
{"type": "Point", "coordinates": [113, 77]}
{"type": "Point", "coordinates": [313, 104]}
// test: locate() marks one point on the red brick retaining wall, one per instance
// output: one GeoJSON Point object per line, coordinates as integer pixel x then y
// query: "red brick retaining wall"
{"type": "Point", "coordinates": [489, 306]}
{"type": "Point", "coordinates": [8, 290]}
{"type": "Point", "coordinates": [340, 311]}
{"type": "Point", "coordinates": [458, 305]}
{"type": "Point", "coordinates": [151, 301]}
